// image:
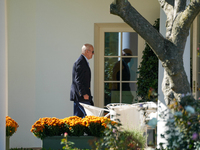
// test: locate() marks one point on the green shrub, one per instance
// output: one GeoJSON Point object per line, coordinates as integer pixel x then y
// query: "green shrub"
{"type": "Point", "coordinates": [117, 138]}
{"type": "Point", "coordinates": [183, 124]}
{"type": "Point", "coordinates": [148, 72]}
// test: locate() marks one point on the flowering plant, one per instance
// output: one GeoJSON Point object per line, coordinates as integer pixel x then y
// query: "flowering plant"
{"type": "Point", "coordinates": [67, 144]}
{"type": "Point", "coordinates": [49, 127]}
{"type": "Point", "coordinates": [11, 126]}
{"type": "Point", "coordinates": [95, 126]}
{"type": "Point", "coordinates": [186, 115]}
{"type": "Point", "coordinates": [74, 126]}
{"type": "Point", "coordinates": [183, 124]}
{"type": "Point", "coordinates": [119, 138]}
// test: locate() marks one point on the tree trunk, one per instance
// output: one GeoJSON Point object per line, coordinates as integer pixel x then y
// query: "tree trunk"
{"type": "Point", "coordinates": [169, 50]}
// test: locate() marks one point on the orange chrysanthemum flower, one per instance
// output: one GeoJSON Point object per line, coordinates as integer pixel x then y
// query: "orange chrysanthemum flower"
{"type": "Point", "coordinates": [11, 126]}
{"type": "Point", "coordinates": [73, 125]}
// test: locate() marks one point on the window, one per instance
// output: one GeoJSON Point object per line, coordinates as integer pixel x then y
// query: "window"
{"type": "Point", "coordinates": [120, 67]}
{"type": "Point", "coordinates": [117, 55]}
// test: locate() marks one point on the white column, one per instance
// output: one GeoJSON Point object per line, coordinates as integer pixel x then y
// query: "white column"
{"type": "Point", "coordinates": [126, 40]}
{"type": "Point", "coordinates": [161, 124]}
{"type": "Point", "coordinates": [3, 73]}
{"type": "Point", "coordinates": [130, 40]}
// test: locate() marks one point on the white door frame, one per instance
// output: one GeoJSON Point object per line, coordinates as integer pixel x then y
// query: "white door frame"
{"type": "Point", "coordinates": [194, 58]}
{"type": "Point", "coordinates": [99, 30]}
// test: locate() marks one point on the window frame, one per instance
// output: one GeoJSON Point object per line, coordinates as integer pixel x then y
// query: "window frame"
{"type": "Point", "coordinates": [99, 32]}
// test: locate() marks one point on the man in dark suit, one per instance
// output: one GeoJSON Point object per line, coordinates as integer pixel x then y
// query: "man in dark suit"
{"type": "Point", "coordinates": [81, 77]}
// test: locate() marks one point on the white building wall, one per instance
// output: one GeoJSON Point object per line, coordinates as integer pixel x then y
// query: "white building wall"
{"type": "Point", "coordinates": [3, 73]}
{"type": "Point", "coordinates": [44, 40]}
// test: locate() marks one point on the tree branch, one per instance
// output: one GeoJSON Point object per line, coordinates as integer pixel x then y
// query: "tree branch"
{"type": "Point", "coordinates": [169, 50]}
{"type": "Point", "coordinates": [179, 6]}
{"type": "Point", "coordinates": [190, 13]}
{"type": "Point", "coordinates": [130, 15]}
{"type": "Point", "coordinates": [183, 22]}
{"type": "Point", "coordinates": [167, 5]}
{"type": "Point", "coordinates": [168, 8]}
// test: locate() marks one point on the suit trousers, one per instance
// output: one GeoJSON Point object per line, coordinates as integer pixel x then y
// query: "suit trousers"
{"type": "Point", "coordinates": [79, 110]}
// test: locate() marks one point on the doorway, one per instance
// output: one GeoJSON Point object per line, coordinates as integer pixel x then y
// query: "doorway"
{"type": "Point", "coordinates": [118, 50]}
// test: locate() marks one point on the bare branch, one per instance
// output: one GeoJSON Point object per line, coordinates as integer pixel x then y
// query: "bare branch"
{"type": "Point", "coordinates": [168, 8]}
{"type": "Point", "coordinates": [117, 5]}
{"type": "Point", "coordinates": [166, 4]}
{"type": "Point", "coordinates": [133, 18]}
{"type": "Point", "coordinates": [183, 22]}
{"type": "Point", "coordinates": [179, 6]}
{"type": "Point", "coordinates": [190, 13]}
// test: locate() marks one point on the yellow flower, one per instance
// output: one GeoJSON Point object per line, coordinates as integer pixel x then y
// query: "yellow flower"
{"type": "Point", "coordinates": [72, 123]}
{"type": "Point", "coordinates": [11, 126]}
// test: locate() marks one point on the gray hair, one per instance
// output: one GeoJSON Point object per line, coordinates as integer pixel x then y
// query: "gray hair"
{"type": "Point", "coordinates": [85, 47]}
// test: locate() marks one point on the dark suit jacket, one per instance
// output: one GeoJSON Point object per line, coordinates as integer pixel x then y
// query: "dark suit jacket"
{"type": "Point", "coordinates": [81, 77]}
{"type": "Point", "coordinates": [125, 76]}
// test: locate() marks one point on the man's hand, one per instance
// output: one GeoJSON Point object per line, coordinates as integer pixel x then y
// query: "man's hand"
{"type": "Point", "coordinates": [86, 97]}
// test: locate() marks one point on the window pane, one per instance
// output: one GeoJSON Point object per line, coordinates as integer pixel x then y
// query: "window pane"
{"type": "Point", "coordinates": [111, 95]}
{"type": "Point", "coordinates": [130, 41]}
{"type": "Point", "coordinates": [111, 43]}
{"type": "Point", "coordinates": [108, 73]}
{"type": "Point", "coordinates": [128, 92]}
{"type": "Point", "coordinates": [129, 69]}
{"type": "Point", "coordinates": [117, 43]}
